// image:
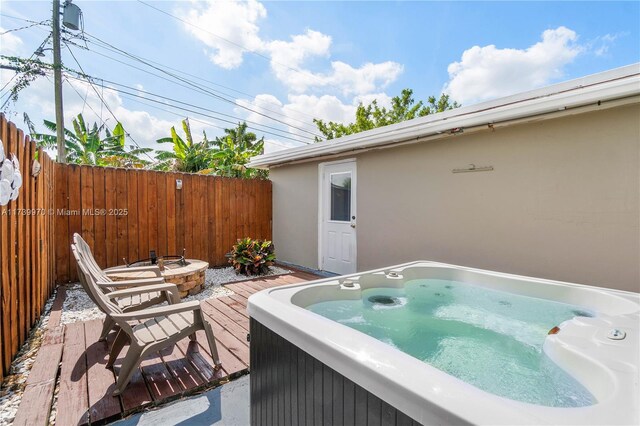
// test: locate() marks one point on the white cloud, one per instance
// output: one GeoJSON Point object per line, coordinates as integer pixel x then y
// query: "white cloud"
{"type": "Point", "coordinates": [302, 46]}
{"type": "Point", "coordinates": [234, 24]}
{"type": "Point", "coordinates": [325, 107]}
{"type": "Point", "coordinates": [11, 43]}
{"type": "Point", "coordinates": [342, 77]}
{"type": "Point", "coordinates": [230, 28]}
{"type": "Point", "coordinates": [600, 45]}
{"type": "Point", "coordinates": [300, 110]}
{"type": "Point", "coordinates": [382, 99]}
{"type": "Point", "coordinates": [488, 72]}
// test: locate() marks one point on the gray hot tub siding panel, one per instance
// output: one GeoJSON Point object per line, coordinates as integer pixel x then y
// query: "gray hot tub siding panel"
{"type": "Point", "coordinates": [290, 387]}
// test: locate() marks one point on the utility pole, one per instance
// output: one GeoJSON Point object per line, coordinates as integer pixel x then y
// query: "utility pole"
{"type": "Point", "coordinates": [57, 82]}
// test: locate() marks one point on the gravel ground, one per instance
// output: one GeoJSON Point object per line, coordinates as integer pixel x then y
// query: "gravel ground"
{"type": "Point", "coordinates": [79, 307]}
{"type": "Point", "coordinates": [14, 383]}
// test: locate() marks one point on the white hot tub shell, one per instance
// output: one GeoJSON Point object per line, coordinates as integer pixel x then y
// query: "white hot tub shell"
{"type": "Point", "coordinates": [588, 348]}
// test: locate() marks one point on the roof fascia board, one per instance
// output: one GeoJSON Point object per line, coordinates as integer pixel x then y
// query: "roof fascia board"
{"type": "Point", "coordinates": [609, 85]}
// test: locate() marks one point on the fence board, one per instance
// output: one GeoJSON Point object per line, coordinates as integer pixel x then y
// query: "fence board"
{"type": "Point", "coordinates": [217, 208]}
{"type": "Point", "coordinates": [143, 216]}
{"type": "Point", "coordinates": [186, 205]}
{"type": "Point", "coordinates": [132, 215]}
{"type": "Point", "coordinates": [86, 204]}
{"type": "Point", "coordinates": [121, 205]}
{"type": "Point", "coordinates": [62, 223]}
{"type": "Point", "coordinates": [170, 185]}
{"type": "Point", "coordinates": [162, 213]}
{"type": "Point", "coordinates": [99, 215]}
{"type": "Point", "coordinates": [21, 247]}
{"type": "Point", "coordinates": [5, 287]}
{"type": "Point", "coordinates": [211, 218]}
{"type": "Point", "coordinates": [111, 227]}
{"type": "Point", "coordinates": [152, 218]}
{"type": "Point", "coordinates": [180, 216]}
{"type": "Point", "coordinates": [29, 231]}
{"type": "Point", "coordinates": [75, 220]}
{"type": "Point", "coordinates": [13, 148]}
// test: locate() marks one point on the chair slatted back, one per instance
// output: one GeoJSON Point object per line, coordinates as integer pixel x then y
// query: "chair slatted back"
{"type": "Point", "coordinates": [88, 282]}
{"type": "Point", "coordinates": [90, 262]}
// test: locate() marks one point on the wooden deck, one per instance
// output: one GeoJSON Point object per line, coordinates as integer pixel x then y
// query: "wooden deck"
{"type": "Point", "coordinates": [73, 355]}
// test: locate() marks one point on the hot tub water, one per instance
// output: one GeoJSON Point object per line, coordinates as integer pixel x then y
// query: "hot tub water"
{"type": "Point", "coordinates": [490, 339]}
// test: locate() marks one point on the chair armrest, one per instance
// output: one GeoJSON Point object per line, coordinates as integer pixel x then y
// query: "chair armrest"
{"type": "Point", "coordinates": [159, 311]}
{"type": "Point", "coordinates": [123, 269]}
{"type": "Point", "coordinates": [141, 290]}
{"type": "Point", "coordinates": [142, 282]}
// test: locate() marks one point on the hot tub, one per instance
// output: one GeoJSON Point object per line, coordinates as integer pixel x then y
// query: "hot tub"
{"type": "Point", "coordinates": [431, 343]}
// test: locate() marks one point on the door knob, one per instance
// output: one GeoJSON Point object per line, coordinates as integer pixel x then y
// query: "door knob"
{"type": "Point", "coordinates": [353, 225]}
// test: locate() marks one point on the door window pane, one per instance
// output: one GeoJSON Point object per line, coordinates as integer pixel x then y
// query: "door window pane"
{"type": "Point", "coordinates": [341, 196]}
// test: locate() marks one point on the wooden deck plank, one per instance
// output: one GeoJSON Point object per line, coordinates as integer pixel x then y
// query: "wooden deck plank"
{"type": "Point", "coordinates": [39, 395]}
{"type": "Point", "coordinates": [230, 362]}
{"type": "Point", "coordinates": [221, 306]}
{"type": "Point", "coordinates": [232, 343]}
{"type": "Point", "coordinates": [200, 360]}
{"type": "Point", "coordinates": [181, 369]}
{"type": "Point", "coordinates": [251, 286]}
{"type": "Point", "coordinates": [136, 395]}
{"type": "Point", "coordinates": [232, 303]}
{"type": "Point", "coordinates": [53, 336]}
{"type": "Point", "coordinates": [73, 404]}
{"type": "Point", "coordinates": [239, 289]}
{"type": "Point", "coordinates": [45, 366]}
{"type": "Point", "coordinates": [56, 308]}
{"type": "Point", "coordinates": [235, 327]}
{"type": "Point", "coordinates": [161, 383]}
{"type": "Point", "coordinates": [102, 405]}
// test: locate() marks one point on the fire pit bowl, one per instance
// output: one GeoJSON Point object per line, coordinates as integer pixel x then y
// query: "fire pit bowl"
{"type": "Point", "coordinates": [188, 276]}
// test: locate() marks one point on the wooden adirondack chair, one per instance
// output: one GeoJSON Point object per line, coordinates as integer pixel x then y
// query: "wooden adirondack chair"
{"type": "Point", "coordinates": [150, 291]}
{"type": "Point", "coordinates": [147, 330]}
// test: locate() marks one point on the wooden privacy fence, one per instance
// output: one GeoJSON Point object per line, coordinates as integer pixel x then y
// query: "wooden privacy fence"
{"type": "Point", "coordinates": [125, 213]}
{"type": "Point", "coordinates": [27, 276]}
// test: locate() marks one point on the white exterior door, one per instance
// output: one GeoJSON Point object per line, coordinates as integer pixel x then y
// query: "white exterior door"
{"type": "Point", "coordinates": [338, 217]}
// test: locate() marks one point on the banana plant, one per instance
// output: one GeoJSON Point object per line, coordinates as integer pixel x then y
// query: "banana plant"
{"type": "Point", "coordinates": [86, 145]}
{"type": "Point", "coordinates": [186, 156]}
{"type": "Point", "coordinates": [234, 151]}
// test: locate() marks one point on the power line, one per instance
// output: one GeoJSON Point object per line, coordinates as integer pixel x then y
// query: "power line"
{"type": "Point", "coordinates": [22, 28]}
{"type": "Point", "coordinates": [85, 102]}
{"type": "Point", "coordinates": [231, 101]}
{"type": "Point", "coordinates": [20, 19]}
{"type": "Point", "coordinates": [195, 111]}
{"type": "Point", "coordinates": [246, 49]}
{"type": "Point", "coordinates": [16, 74]}
{"type": "Point", "coordinates": [181, 85]}
{"type": "Point", "coordinates": [196, 77]}
{"type": "Point", "coordinates": [208, 123]}
{"type": "Point", "coordinates": [190, 105]}
{"type": "Point", "coordinates": [306, 123]}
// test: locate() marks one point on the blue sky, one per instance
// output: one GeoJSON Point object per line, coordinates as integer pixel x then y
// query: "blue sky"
{"type": "Point", "coordinates": [301, 60]}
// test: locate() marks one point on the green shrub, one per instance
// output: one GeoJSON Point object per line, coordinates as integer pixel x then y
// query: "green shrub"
{"type": "Point", "coordinates": [252, 257]}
